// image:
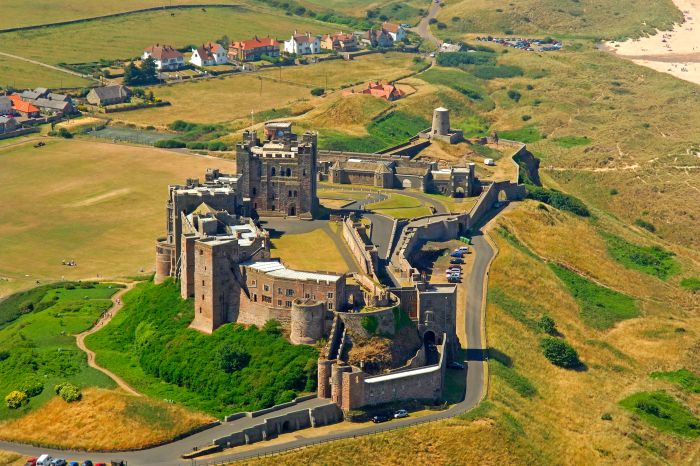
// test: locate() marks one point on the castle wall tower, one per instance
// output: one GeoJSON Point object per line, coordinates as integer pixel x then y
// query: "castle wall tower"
{"type": "Point", "coordinates": [324, 378]}
{"type": "Point", "coordinates": [187, 266]}
{"type": "Point", "coordinates": [337, 371]}
{"type": "Point", "coordinates": [164, 256]}
{"type": "Point", "coordinates": [441, 121]}
{"type": "Point", "coordinates": [307, 322]}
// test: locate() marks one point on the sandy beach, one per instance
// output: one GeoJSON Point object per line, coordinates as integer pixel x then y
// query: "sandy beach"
{"type": "Point", "coordinates": [675, 52]}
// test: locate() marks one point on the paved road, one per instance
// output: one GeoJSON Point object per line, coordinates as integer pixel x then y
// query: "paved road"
{"type": "Point", "coordinates": [423, 28]}
{"type": "Point", "coordinates": [104, 320]}
{"type": "Point", "coordinates": [169, 454]}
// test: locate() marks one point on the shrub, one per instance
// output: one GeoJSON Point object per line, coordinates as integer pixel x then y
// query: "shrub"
{"type": "Point", "coordinates": [614, 192]}
{"type": "Point", "coordinates": [232, 358]}
{"type": "Point", "coordinates": [559, 200]}
{"type": "Point", "coordinates": [646, 225]}
{"type": "Point", "coordinates": [218, 146]}
{"type": "Point", "coordinates": [691, 284]}
{"type": "Point", "coordinates": [606, 417]}
{"type": "Point", "coordinates": [514, 95]}
{"type": "Point", "coordinates": [64, 133]}
{"type": "Point", "coordinates": [560, 353]}
{"type": "Point", "coordinates": [526, 117]}
{"type": "Point", "coordinates": [4, 355]}
{"type": "Point", "coordinates": [68, 392]}
{"type": "Point", "coordinates": [15, 399]}
{"type": "Point", "coordinates": [369, 323]}
{"type": "Point", "coordinates": [32, 387]}
{"type": "Point", "coordinates": [456, 59]}
{"type": "Point", "coordinates": [653, 260]}
{"type": "Point", "coordinates": [272, 327]}
{"type": "Point", "coordinates": [317, 91]}
{"type": "Point", "coordinates": [547, 325]}
{"type": "Point", "coordinates": [170, 144]}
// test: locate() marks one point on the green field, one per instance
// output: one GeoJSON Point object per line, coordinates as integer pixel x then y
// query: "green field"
{"type": "Point", "coordinates": [664, 412]}
{"type": "Point", "coordinates": [115, 133]}
{"type": "Point", "coordinates": [99, 204]}
{"type": "Point", "coordinates": [149, 344]}
{"type": "Point", "coordinates": [39, 346]}
{"type": "Point", "coordinates": [400, 206]}
{"type": "Point", "coordinates": [687, 380]}
{"type": "Point", "coordinates": [20, 74]}
{"type": "Point", "coordinates": [126, 37]}
{"type": "Point", "coordinates": [653, 260]}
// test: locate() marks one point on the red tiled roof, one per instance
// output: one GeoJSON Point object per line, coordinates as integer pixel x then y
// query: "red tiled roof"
{"type": "Point", "coordinates": [163, 52]}
{"type": "Point", "coordinates": [391, 27]}
{"type": "Point", "coordinates": [207, 51]}
{"type": "Point", "coordinates": [254, 43]}
{"type": "Point", "coordinates": [22, 106]}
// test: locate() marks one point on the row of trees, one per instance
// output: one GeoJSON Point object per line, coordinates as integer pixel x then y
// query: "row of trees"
{"type": "Point", "coordinates": [146, 74]}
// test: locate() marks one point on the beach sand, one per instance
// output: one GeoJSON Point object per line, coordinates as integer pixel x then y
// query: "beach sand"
{"type": "Point", "coordinates": [675, 52]}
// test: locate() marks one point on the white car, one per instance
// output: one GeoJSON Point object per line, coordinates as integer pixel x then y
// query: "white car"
{"type": "Point", "coordinates": [400, 413]}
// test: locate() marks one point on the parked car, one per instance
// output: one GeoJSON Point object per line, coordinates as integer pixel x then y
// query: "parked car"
{"type": "Point", "coordinates": [44, 460]}
{"type": "Point", "coordinates": [464, 249]}
{"type": "Point", "coordinates": [87, 463]}
{"type": "Point", "coordinates": [457, 261]}
{"type": "Point", "coordinates": [73, 463]}
{"type": "Point", "coordinates": [400, 413]}
{"type": "Point", "coordinates": [456, 365]}
{"type": "Point", "coordinates": [379, 418]}
{"type": "Point", "coordinates": [30, 462]}
{"type": "Point", "coordinates": [452, 279]}
{"type": "Point", "coordinates": [457, 254]}
{"type": "Point", "coordinates": [58, 462]}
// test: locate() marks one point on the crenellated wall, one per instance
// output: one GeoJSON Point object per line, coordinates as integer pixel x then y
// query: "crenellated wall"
{"type": "Point", "coordinates": [365, 253]}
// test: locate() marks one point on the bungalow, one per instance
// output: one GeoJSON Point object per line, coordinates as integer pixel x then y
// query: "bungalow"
{"type": "Point", "coordinates": [108, 95]}
{"type": "Point", "coordinates": [25, 109]}
{"type": "Point", "coordinates": [383, 91]}
{"type": "Point", "coordinates": [54, 107]}
{"type": "Point", "coordinates": [302, 44]}
{"type": "Point", "coordinates": [339, 41]}
{"type": "Point", "coordinates": [396, 31]}
{"type": "Point", "coordinates": [165, 56]}
{"type": "Point", "coordinates": [253, 49]}
{"type": "Point", "coordinates": [8, 124]}
{"type": "Point", "coordinates": [208, 55]}
{"type": "Point", "coordinates": [5, 106]}
{"type": "Point", "coordinates": [377, 38]}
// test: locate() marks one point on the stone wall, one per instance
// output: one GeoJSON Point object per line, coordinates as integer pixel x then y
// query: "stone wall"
{"type": "Point", "coordinates": [384, 317]}
{"type": "Point", "coordinates": [364, 252]}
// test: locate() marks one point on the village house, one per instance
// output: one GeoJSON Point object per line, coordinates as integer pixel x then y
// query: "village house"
{"type": "Point", "coordinates": [166, 57]}
{"type": "Point", "coordinates": [5, 106]}
{"type": "Point", "coordinates": [376, 38]}
{"type": "Point", "coordinates": [383, 91]}
{"type": "Point", "coordinates": [209, 54]}
{"type": "Point", "coordinates": [396, 32]}
{"type": "Point", "coordinates": [7, 124]}
{"type": "Point", "coordinates": [339, 41]}
{"type": "Point", "coordinates": [48, 102]}
{"type": "Point", "coordinates": [24, 109]}
{"type": "Point", "coordinates": [108, 95]}
{"type": "Point", "coordinates": [253, 49]}
{"type": "Point", "coordinates": [302, 44]}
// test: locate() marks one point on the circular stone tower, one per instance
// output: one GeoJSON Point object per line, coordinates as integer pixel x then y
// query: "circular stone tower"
{"type": "Point", "coordinates": [441, 121]}
{"type": "Point", "coordinates": [307, 322]}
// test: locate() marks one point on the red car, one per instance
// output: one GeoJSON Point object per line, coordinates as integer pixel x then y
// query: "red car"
{"type": "Point", "coordinates": [30, 462]}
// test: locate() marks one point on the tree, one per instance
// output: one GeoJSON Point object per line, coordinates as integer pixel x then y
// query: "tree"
{"type": "Point", "coordinates": [15, 399]}
{"type": "Point", "coordinates": [317, 91]}
{"type": "Point", "coordinates": [560, 353]}
{"type": "Point", "coordinates": [132, 75]}
{"type": "Point", "coordinates": [547, 325]}
{"type": "Point", "coordinates": [224, 41]}
{"type": "Point", "coordinates": [68, 391]}
{"type": "Point", "coordinates": [149, 72]}
{"type": "Point", "coordinates": [232, 358]}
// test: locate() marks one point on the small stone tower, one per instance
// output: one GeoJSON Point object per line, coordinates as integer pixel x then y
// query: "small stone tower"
{"type": "Point", "coordinates": [441, 121]}
{"type": "Point", "coordinates": [307, 321]}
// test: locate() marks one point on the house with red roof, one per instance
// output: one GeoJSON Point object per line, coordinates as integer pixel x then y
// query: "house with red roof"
{"type": "Point", "coordinates": [378, 89]}
{"type": "Point", "coordinates": [166, 57]}
{"type": "Point", "coordinates": [339, 41]}
{"type": "Point", "coordinates": [209, 54]}
{"type": "Point", "coordinates": [396, 31]}
{"type": "Point", "coordinates": [25, 109]}
{"type": "Point", "coordinates": [253, 49]}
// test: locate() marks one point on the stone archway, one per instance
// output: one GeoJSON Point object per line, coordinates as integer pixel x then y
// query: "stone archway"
{"type": "Point", "coordinates": [292, 211]}
{"type": "Point", "coordinates": [459, 192]}
{"type": "Point", "coordinates": [406, 183]}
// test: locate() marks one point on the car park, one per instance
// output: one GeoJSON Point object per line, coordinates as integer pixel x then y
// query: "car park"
{"type": "Point", "coordinates": [379, 418]}
{"type": "Point", "coordinates": [400, 413]}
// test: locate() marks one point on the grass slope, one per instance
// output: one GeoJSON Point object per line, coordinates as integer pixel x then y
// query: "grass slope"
{"type": "Point", "coordinates": [663, 412]}
{"type": "Point", "coordinates": [687, 380]}
{"type": "Point", "coordinates": [20, 74]}
{"type": "Point", "coordinates": [653, 260]}
{"type": "Point", "coordinates": [150, 345]}
{"type": "Point", "coordinates": [40, 345]}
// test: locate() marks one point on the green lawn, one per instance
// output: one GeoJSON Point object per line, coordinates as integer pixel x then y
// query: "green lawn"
{"type": "Point", "coordinates": [400, 206]}
{"type": "Point", "coordinates": [663, 412]}
{"type": "Point", "coordinates": [39, 344]}
{"type": "Point", "coordinates": [601, 307]}
{"type": "Point", "coordinates": [149, 344]}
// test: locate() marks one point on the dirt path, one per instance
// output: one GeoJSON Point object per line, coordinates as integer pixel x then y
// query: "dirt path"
{"type": "Point", "coordinates": [104, 320]}
{"type": "Point", "coordinates": [423, 28]}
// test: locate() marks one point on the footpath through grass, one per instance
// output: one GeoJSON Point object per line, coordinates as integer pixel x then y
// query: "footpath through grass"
{"type": "Point", "coordinates": [38, 343]}
{"type": "Point", "coordinates": [149, 344]}
{"type": "Point", "coordinates": [601, 308]}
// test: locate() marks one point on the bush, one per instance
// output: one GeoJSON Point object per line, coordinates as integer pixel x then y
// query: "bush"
{"type": "Point", "coordinates": [64, 133]}
{"type": "Point", "coordinates": [559, 200]}
{"type": "Point", "coordinates": [646, 225]}
{"type": "Point", "coordinates": [68, 392]}
{"type": "Point", "coordinates": [547, 325]}
{"type": "Point", "coordinates": [514, 95]}
{"type": "Point", "coordinates": [15, 399]}
{"type": "Point", "coordinates": [32, 387]}
{"type": "Point", "coordinates": [691, 284]}
{"type": "Point", "coordinates": [218, 146]}
{"type": "Point", "coordinates": [606, 417]}
{"type": "Point", "coordinates": [232, 358]}
{"type": "Point", "coordinates": [560, 353]}
{"type": "Point", "coordinates": [369, 323]}
{"type": "Point", "coordinates": [272, 327]}
{"type": "Point", "coordinates": [317, 91]}
{"type": "Point", "coordinates": [170, 144]}
{"type": "Point", "coordinates": [456, 59]}
{"type": "Point", "coordinates": [526, 117]}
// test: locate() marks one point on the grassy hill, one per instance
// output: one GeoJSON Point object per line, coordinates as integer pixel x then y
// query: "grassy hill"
{"type": "Point", "coordinates": [150, 345]}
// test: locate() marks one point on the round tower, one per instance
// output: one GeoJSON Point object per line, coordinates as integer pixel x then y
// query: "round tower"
{"type": "Point", "coordinates": [307, 322]}
{"type": "Point", "coordinates": [164, 252]}
{"type": "Point", "coordinates": [441, 121]}
{"type": "Point", "coordinates": [324, 378]}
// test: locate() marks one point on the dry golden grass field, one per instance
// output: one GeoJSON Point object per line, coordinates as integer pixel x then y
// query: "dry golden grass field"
{"type": "Point", "coordinates": [226, 99]}
{"type": "Point", "coordinates": [101, 205]}
{"type": "Point", "coordinates": [103, 420]}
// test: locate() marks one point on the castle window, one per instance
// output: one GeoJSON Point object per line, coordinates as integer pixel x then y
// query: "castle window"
{"type": "Point", "coordinates": [307, 296]}
{"type": "Point", "coordinates": [254, 283]}
{"type": "Point", "coordinates": [289, 172]}
{"type": "Point", "coordinates": [330, 306]}
{"type": "Point", "coordinates": [303, 172]}
{"type": "Point", "coordinates": [295, 194]}
{"type": "Point", "coordinates": [200, 309]}
{"type": "Point", "coordinates": [272, 171]}
{"type": "Point", "coordinates": [202, 282]}
{"type": "Point", "coordinates": [255, 298]}
{"type": "Point", "coordinates": [266, 299]}
{"type": "Point", "coordinates": [330, 295]}
{"type": "Point", "coordinates": [288, 304]}
{"type": "Point", "coordinates": [290, 193]}
{"type": "Point", "coordinates": [201, 251]}
{"type": "Point", "coordinates": [202, 297]}
{"type": "Point", "coordinates": [290, 292]}
{"type": "Point", "coordinates": [255, 191]}
{"type": "Point", "coordinates": [279, 302]}
{"type": "Point", "coordinates": [266, 287]}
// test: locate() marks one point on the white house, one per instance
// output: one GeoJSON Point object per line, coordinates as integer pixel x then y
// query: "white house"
{"type": "Point", "coordinates": [303, 44]}
{"type": "Point", "coordinates": [166, 57]}
{"type": "Point", "coordinates": [396, 31]}
{"type": "Point", "coordinates": [208, 55]}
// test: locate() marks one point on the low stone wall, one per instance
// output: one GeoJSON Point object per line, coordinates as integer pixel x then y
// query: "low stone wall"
{"type": "Point", "coordinates": [365, 252]}
{"type": "Point", "coordinates": [384, 317]}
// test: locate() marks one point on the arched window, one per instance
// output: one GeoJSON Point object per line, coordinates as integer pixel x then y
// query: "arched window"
{"type": "Point", "coordinates": [295, 193]}
{"type": "Point", "coordinates": [303, 172]}
{"type": "Point", "coordinates": [273, 171]}
{"type": "Point", "coordinates": [290, 193]}
{"type": "Point", "coordinates": [289, 172]}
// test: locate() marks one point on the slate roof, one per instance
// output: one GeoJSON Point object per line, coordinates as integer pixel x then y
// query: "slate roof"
{"type": "Point", "coordinates": [111, 92]}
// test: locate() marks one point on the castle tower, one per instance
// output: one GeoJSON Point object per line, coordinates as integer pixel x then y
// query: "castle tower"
{"type": "Point", "coordinates": [307, 322]}
{"type": "Point", "coordinates": [324, 378]}
{"type": "Point", "coordinates": [441, 121]}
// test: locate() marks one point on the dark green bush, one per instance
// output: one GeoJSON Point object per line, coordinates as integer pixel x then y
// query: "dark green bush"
{"type": "Point", "coordinates": [646, 225]}
{"type": "Point", "coordinates": [317, 91]}
{"type": "Point", "coordinates": [558, 199]}
{"type": "Point", "coordinates": [32, 387]}
{"type": "Point", "coordinates": [232, 358]}
{"type": "Point", "coordinates": [514, 95]}
{"type": "Point", "coordinates": [560, 353]}
{"type": "Point", "coordinates": [456, 59]}
{"type": "Point", "coordinates": [64, 133]}
{"type": "Point", "coordinates": [547, 325]}
{"type": "Point", "coordinates": [370, 323]}
{"type": "Point", "coordinates": [170, 144]}
{"type": "Point", "coordinates": [272, 327]}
